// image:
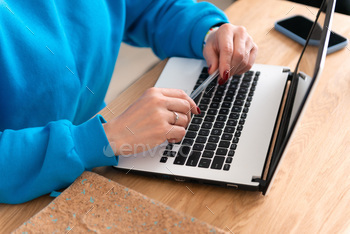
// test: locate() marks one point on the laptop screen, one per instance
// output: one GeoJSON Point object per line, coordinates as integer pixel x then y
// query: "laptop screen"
{"type": "Point", "coordinates": [305, 76]}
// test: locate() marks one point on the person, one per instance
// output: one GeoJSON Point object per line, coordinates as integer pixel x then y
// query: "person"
{"type": "Point", "coordinates": [56, 62]}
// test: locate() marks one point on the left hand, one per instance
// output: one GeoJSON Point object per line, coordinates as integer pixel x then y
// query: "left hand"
{"type": "Point", "coordinates": [229, 46]}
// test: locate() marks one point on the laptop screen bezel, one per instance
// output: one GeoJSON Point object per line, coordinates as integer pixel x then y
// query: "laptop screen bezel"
{"type": "Point", "coordinates": [318, 67]}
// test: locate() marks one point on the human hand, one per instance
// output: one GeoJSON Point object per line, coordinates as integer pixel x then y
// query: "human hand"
{"type": "Point", "coordinates": [229, 46]}
{"type": "Point", "coordinates": [150, 121]}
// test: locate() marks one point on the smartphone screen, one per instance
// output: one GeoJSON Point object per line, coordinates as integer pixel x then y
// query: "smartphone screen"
{"type": "Point", "coordinates": [301, 27]}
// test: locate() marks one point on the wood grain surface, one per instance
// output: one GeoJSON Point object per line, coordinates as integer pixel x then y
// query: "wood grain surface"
{"type": "Point", "coordinates": [311, 193]}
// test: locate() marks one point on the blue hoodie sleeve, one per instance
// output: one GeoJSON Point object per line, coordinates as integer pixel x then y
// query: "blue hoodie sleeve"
{"type": "Point", "coordinates": [172, 27]}
{"type": "Point", "coordinates": [36, 161]}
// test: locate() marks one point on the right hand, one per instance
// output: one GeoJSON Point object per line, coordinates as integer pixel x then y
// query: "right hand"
{"type": "Point", "coordinates": [149, 121]}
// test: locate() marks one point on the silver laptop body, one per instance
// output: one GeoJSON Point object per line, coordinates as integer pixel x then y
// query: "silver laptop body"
{"type": "Point", "coordinates": [250, 167]}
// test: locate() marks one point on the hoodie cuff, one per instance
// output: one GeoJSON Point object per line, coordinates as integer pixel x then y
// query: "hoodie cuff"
{"type": "Point", "coordinates": [201, 29]}
{"type": "Point", "coordinates": [92, 145]}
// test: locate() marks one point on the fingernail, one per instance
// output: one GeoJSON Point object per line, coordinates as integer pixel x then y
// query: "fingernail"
{"type": "Point", "coordinates": [198, 110]}
{"type": "Point", "coordinates": [226, 74]}
{"type": "Point", "coordinates": [209, 68]}
{"type": "Point", "coordinates": [221, 81]}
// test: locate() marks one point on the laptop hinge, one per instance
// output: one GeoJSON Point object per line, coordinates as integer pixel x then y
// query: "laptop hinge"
{"type": "Point", "coordinates": [262, 179]}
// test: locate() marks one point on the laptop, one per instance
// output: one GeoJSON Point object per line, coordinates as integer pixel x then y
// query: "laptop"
{"type": "Point", "coordinates": [245, 125]}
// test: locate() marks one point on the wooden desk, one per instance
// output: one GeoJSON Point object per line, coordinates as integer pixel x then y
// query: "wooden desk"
{"type": "Point", "coordinates": [311, 193]}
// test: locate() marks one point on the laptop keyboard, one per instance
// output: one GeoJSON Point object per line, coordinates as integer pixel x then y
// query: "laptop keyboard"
{"type": "Point", "coordinates": [212, 136]}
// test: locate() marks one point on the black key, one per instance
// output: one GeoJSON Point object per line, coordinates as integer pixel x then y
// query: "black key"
{"type": "Point", "coordinates": [210, 146]}
{"type": "Point", "coordinates": [204, 162]}
{"type": "Point", "coordinates": [233, 146]}
{"type": "Point", "coordinates": [229, 129]}
{"type": "Point", "coordinates": [201, 139]}
{"type": "Point", "coordinates": [216, 132]}
{"type": "Point", "coordinates": [190, 134]}
{"type": "Point", "coordinates": [245, 110]}
{"type": "Point", "coordinates": [219, 125]}
{"type": "Point", "coordinates": [231, 153]}
{"type": "Point", "coordinates": [239, 103]}
{"type": "Point", "coordinates": [214, 139]}
{"type": "Point", "coordinates": [231, 122]}
{"type": "Point", "coordinates": [236, 109]}
{"type": "Point", "coordinates": [229, 160]}
{"type": "Point", "coordinates": [198, 147]}
{"type": "Point", "coordinates": [212, 112]}
{"type": "Point", "coordinates": [169, 153]}
{"type": "Point", "coordinates": [203, 132]}
{"type": "Point", "coordinates": [226, 136]}
{"type": "Point", "coordinates": [247, 78]}
{"type": "Point", "coordinates": [230, 92]}
{"type": "Point", "coordinates": [249, 99]}
{"type": "Point", "coordinates": [208, 94]}
{"type": "Point", "coordinates": [196, 121]}
{"type": "Point", "coordinates": [244, 116]}
{"type": "Point", "coordinates": [249, 73]}
{"type": "Point", "coordinates": [215, 105]}
{"type": "Point", "coordinates": [201, 115]}
{"type": "Point", "coordinates": [187, 141]}
{"type": "Point", "coordinates": [203, 107]}
{"type": "Point", "coordinates": [216, 99]}
{"type": "Point", "coordinates": [163, 159]}
{"type": "Point", "coordinates": [169, 147]}
{"type": "Point", "coordinates": [243, 90]}
{"type": "Point", "coordinates": [240, 128]}
{"type": "Point", "coordinates": [224, 111]}
{"type": "Point", "coordinates": [226, 105]}
{"type": "Point", "coordinates": [205, 101]}
{"type": "Point", "coordinates": [179, 160]}
{"type": "Point", "coordinates": [205, 70]}
{"type": "Point", "coordinates": [228, 99]}
{"type": "Point", "coordinates": [241, 122]}
{"type": "Point", "coordinates": [252, 89]}
{"type": "Point", "coordinates": [221, 118]}
{"type": "Point", "coordinates": [209, 118]}
{"type": "Point", "coordinates": [251, 93]}
{"type": "Point", "coordinates": [257, 73]}
{"type": "Point", "coordinates": [207, 125]}
{"type": "Point", "coordinates": [245, 84]}
{"type": "Point", "coordinates": [224, 144]}
{"type": "Point", "coordinates": [221, 151]}
{"type": "Point", "coordinates": [254, 83]}
{"type": "Point", "coordinates": [196, 100]}
{"type": "Point", "coordinates": [217, 162]}
{"type": "Point", "coordinates": [193, 127]}
{"type": "Point", "coordinates": [204, 75]}
{"type": "Point", "coordinates": [208, 154]}
{"type": "Point", "coordinates": [234, 115]}
{"type": "Point", "coordinates": [226, 167]}
{"type": "Point", "coordinates": [240, 96]}
{"type": "Point", "coordinates": [256, 78]}
{"type": "Point", "coordinates": [235, 140]}
{"type": "Point", "coordinates": [247, 104]}
{"type": "Point", "coordinates": [184, 151]}
{"type": "Point", "coordinates": [238, 134]}
{"type": "Point", "coordinates": [235, 79]}
{"type": "Point", "coordinates": [193, 159]}
{"type": "Point", "coordinates": [219, 93]}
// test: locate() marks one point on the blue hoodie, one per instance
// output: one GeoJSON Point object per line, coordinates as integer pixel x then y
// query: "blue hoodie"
{"type": "Point", "coordinates": [56, 62]}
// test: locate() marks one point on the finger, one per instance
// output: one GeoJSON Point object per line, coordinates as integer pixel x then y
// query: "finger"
{"type": "Point", "coordinates": [178, 93]}
{"type": "Point", "coordinates": [243, 65]}
{"type": "Point", "coordinates": [212, 58]}
{"type": "Point", "coordinates": [178, 105]}
{"type": "Point", "coordinates": [251, 60]}
{"type": "Point", "coordinates": [226, 50]}
{"type": "Point", "coordinates": [239, 48]}
{"type": "Point", "coordinates": [182, 119]}
{"type": "Point", "coordinates": [175, 133]}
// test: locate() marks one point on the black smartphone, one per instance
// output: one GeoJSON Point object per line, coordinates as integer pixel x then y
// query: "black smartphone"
{"type": "Point", "coordinates": [298, 28]}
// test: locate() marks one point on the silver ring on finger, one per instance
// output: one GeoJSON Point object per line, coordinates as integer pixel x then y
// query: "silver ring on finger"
{"type": "Point", "coordinates": [176, 117]}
